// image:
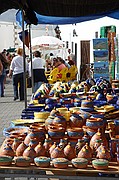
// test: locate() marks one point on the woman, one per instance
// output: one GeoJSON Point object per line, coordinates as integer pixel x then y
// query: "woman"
{"type": "Point", "coordinates": [38, 65]}
{"type": "Point", "coordinates": [17, 69]}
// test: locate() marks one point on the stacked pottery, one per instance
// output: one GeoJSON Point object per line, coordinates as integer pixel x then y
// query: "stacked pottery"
{"type": "Point", "coordinates": [36, 133]}
{"type": "Point", "coordinates": [75, 120]}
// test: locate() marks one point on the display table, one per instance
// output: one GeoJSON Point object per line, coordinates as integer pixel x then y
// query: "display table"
{"type": "Point", "coordinates": [71, 173]}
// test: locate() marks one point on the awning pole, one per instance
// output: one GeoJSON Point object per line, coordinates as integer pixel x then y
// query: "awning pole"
{"type": "Point", "coordinates": [30, 48]}
{"type": "Point", "coordinates": [24, 60]}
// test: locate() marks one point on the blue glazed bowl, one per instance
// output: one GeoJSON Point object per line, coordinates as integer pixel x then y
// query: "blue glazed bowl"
{"type": "Point", "coordinates": [42, 161]}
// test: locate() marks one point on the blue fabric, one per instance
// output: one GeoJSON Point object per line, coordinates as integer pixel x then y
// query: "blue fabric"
{"type": "Point", "coordinates": [66, 20]}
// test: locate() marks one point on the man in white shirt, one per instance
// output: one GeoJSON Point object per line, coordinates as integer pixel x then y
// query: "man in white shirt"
{"type": "Point", "coordinates": [17, 70]}
{"type": "Point", "coordinates": [38, 65]}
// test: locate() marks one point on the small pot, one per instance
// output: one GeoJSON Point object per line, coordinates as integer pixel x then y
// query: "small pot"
{"type": "Point", "coordinates": [61, 163]}
{"type": "Point", "coordinates": [100, 164]}
{"type": "Point", "coordinates": [42, 161]}
{"type": "Point", "coordinates": [80, 163]}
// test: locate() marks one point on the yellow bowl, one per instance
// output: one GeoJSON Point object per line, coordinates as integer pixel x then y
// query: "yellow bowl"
{"type": "Point", "coordinates": [41, 115]}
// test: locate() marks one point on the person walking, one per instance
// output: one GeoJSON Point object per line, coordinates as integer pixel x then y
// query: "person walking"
{"type": "Point", "coordinates": [38, 65]}
{"type": "Point", "coordinates": [17, 70]}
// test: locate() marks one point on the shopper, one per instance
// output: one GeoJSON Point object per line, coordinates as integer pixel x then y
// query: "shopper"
{"type": "Point", "coordinates": [38, 65]}
{"type": "Point", "coordinates": [17, 70]}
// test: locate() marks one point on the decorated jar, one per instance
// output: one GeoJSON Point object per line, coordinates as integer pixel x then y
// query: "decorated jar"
{"type": "Point", "coordinates": [70, 152]}
{"type": "Point", "coordinates": [75, 133]}
{"type": "Point", "coordinates": [40, 150]}
{"type": "Point", "coordinates": [75, 120]}
{"type": "Point", "coordinates": [20, 149]}
{"type": "Point", "coordinates": [79, 145]}
{"type": "Point", "coordinates": [86, 152]}
{"type": "Point", "coordinates": [29, 152]}
{"type": "Point", "coordinates": [103, 152]}
{"type": "Point", "coordinates": [58, 152]}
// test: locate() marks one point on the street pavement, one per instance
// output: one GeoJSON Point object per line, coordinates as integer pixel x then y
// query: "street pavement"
{"type": "Point", "coordinates": [10, 109]}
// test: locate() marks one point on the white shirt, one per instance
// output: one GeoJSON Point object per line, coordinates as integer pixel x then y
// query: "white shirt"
{"type": "Point", "coordinates": [37, 63]}
{"type": "Point", "coordinates": [17, 65]}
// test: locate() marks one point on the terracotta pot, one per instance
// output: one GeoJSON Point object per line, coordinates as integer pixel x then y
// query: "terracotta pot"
{"type": "Point", "coordinates": [47, 144]}
{"type": "Point", "coordinates": [96, 136]}
{"type": "Point", "coordinates": [40, 150]}
{"type": "Point", "coordinates": [57, 153]}
{"type": "Point", "coordinates": [85, 152]}
{"type": "Point", "coordinates": [15, 144]}
{"type": "Point", "coordinates": [7, 151]}
{"type": "Point", "coordinates": [29, 152]}
{"type": "Point", "coordinates": [75, 133]}
{"type": "Point", "coordinates": [79, 145]}
{"type": "Point", "coordinates": [20, 149]}
{"type": "Point", "coordinates": [103, 152]}
{"type": "Point", "coordinates": [94, 123]}
{"type": "Point", "coordinates": [70, 152]}
{"type": "Point", "coordinates": [52, 147]}
{"type": "Point", "coordinates": [56, 132]}
{"type": "Point", "coordinates": [75, 120]}
{"type": "Point", "coordinates": [60, 120]}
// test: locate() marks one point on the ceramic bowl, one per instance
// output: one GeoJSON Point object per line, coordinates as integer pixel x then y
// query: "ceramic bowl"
{"type": "Point", "coordinates": [60, 163]}
{"type": "Point", "coordinates": [100, 164]}
{"type": "Point", "coordinates": [80, 163]}
{"type": "Point", "coordinates": [42, 161]}
{"type": "Point", "coordinates": [5, 160]}
{"type": "Point", "coordinates": [22, 161]}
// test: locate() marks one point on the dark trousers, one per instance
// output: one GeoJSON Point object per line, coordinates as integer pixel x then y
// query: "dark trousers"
{"type": "Point", "coordinates": [18, 79]}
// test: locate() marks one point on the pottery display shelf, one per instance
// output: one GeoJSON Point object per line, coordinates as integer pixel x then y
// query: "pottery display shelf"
{"type": "Point", "coordinates": [51, 172]}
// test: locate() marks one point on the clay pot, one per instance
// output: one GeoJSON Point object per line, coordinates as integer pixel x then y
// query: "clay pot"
{"type": "Point", "coordinates": [40, 150]}
{"type": "Point", "coordinates": [15, 144]}
{"type": "Point", "coordinates": [75, 133]}
{"type": "Point", "coordinates": [96, 136]}
{"type": "Point", "coordinates": [79, 145]}
{"type": "Point", "coordinates": [103, 152]}
{"type": "Point", "coordinates": [33, 142]}
{"type": "Point", "coordinates": [29, 152]}
{"type": "Point", "coordinates": [38, 134]}
{"type": "Point", "coordinates": [52, 147]}
{"type": "Point", "coordinates": [69, 152]}
{"type": "Point", "coordinates": [49, 121]}
{"type": "Point", "coordinates": [47, 144]}
{"type": "Point", "coordinates": [20, 149]}
{"type": "Point", "coordinates": [57, 153]}
{"type": "Point", "coordinates": [60, 120]}
{"type": "Point", "coordinates": [7, 151]}
{"type": "Point", "coordinates": [75, 120]}
{"type": "Point", "coordinates": [85, 152]}
{"type": "Point", "coordinates": [63, 142]}
{"type": "Point", "coordinates": [94, 123]}
{"type": "Point", "coordinates": [56, 132]}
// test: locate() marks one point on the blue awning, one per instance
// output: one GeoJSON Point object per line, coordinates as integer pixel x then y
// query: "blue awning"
{"type": "Point", "coordinates": [66, 20]}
